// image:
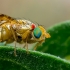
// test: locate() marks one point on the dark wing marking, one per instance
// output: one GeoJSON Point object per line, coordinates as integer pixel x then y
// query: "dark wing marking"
{"type": "Point", "coordinates": [5, 18]}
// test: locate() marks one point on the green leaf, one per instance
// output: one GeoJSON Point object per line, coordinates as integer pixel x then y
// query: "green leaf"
{"type": "Point", "coordinates": [32, 61]}
{"type": "Point", "coordinates": [59, 43]}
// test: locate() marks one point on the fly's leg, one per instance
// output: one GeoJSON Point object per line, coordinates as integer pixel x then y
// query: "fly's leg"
{"type": "Point", "coordinates": [26, 45]}
{"type": "Point", "coordinates": [38, 44]}
{"type": "Point", "coordinates": [5, 43]}
{"type": "Point", "coordinates": [14, 35]}
{"type": "Point", "coordinates": [1, 34]}
{"type": "Point", "coordinates": [26, 37]}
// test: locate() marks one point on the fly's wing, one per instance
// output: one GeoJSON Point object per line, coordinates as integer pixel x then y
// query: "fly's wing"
{"type": "Point", "coordinates": [5, 18]}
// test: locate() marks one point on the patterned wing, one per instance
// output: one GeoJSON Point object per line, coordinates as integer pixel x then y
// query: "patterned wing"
{"type": "Point", "coordinates": [5, 18]}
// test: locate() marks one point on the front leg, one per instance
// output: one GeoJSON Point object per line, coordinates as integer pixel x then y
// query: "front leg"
{"type": "Point", "coordinates": [25, 38]}
{"type": "Point", "coordinates": [38, 44]}
{"type": "Point", "coordinates": [26, 45]}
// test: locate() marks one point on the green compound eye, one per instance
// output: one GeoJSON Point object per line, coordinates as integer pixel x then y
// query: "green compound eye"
{"type": "Point", "coordinates": [37, 32]}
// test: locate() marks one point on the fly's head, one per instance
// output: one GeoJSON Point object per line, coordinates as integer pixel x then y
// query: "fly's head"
{"type": "Point", "coordinates": [40, 34]}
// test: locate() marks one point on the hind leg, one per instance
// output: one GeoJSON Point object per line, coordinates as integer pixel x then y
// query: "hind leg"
{"type": "Point", "coordinates": [14, 36]}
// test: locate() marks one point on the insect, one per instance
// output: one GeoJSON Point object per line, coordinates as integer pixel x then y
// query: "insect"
{"type": "Point", "coordinates": [21, 31]}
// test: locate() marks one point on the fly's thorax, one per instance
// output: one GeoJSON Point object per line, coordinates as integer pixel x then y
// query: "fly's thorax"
{"type": "Point", "coordinates": [28, 24]}
{"type": "Point", "coordinates": [24, 22]}
{"type": "Point", "coordinates": [24, 26]}
{"type": "Point", "coordinates": [21, 22]}
{"type": "Point", "coordinates": [21, 29]}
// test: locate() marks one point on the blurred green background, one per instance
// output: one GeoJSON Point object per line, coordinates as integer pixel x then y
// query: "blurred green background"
{"type": "Point", "coordinates": [44, 12]}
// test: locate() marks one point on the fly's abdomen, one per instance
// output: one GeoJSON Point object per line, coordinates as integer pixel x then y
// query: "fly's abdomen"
{"type": "Point", "coordinates": [5, 33]}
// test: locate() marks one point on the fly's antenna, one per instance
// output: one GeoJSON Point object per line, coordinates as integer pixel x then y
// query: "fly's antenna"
{"type": "Point", "coordinates": [39, 24]}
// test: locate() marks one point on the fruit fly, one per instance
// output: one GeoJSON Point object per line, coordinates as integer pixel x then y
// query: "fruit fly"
{"type": "Point", "coordinates": [21, 31]}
